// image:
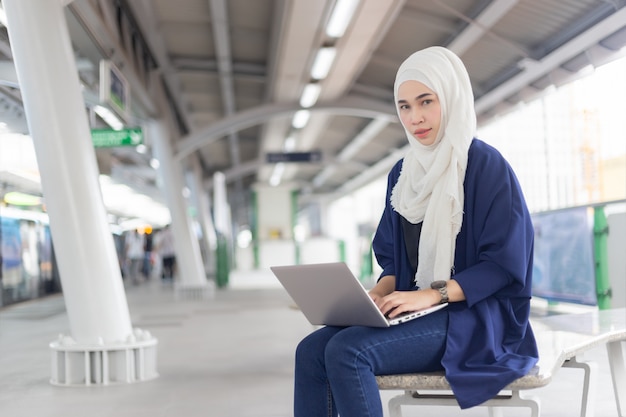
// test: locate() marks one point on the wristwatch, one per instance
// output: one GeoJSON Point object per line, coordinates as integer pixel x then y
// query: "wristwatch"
{"type": "Point", "coordinates": [442, 286]}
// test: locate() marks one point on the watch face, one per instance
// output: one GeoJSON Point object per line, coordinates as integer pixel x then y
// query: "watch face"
{"type": "Point", "coordinates": [438, 284]}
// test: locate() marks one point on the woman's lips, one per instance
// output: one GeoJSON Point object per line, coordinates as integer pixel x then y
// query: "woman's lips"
{"type": "Point", "coordinates": [422, 133]}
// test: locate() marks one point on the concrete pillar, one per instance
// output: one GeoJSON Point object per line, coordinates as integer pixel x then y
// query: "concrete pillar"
{"type": "Point", "coordinates": [202, 202]}
{"type": "Point", "coordinates": [221, 206]}
{"type": "Point", "coordinates": [275, 211]}
{"type": "Point", "coordinates": [103, 348]}
{"type": "Point", "coordinates": [191, 275]}
{"type": "Point", "coordinates": [223, 228]}
{"type": "Point", "coordinates": [275, 217]}
{"type": "Point", "coordinates": [92, 284]}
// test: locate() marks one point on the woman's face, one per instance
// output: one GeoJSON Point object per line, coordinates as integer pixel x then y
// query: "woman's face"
{"type": "Point", "coordinates": [419, 110]}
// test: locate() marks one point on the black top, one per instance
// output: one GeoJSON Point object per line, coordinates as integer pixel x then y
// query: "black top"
{"type": "Point", "coordinates": [411, 240]}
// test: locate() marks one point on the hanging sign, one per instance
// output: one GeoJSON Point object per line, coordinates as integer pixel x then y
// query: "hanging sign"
{"type": "Point", "coordinates": [106, 138]}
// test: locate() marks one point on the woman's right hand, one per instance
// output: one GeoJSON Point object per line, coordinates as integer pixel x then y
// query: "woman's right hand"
{"type": "Point", "coordinates": [376, 297]}
{"type": "Point", "coordinates": [386, 285]}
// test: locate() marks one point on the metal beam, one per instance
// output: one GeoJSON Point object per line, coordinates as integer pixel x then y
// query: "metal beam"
{"type": "Point", "coordinates": [359, 141]}
{"type": "Point", "coordinates": [351, 106]}
{"type": "Point", "coordinates": [221, 37]}
{"type": "Point", "coordinates": [480, 25]}
{"type": "Point", "coordinates": [149, 27]}
{"type": "Point", "coordinates": [536, 69]}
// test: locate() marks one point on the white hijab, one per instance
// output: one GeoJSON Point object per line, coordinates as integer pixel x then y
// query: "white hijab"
{"type": "Point", "coordinates": [430, 186]}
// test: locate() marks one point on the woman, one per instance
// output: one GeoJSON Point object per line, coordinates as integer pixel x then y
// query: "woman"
{"type": "Point", "coordinates": [455, 228]}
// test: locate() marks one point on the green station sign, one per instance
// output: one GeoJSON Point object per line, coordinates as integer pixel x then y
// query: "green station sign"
{"type": "Point", "coordinates": [106, 138]}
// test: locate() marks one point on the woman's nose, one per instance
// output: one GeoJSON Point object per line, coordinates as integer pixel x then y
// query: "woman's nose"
{"type": "Point", "coordinates": [417, 117]}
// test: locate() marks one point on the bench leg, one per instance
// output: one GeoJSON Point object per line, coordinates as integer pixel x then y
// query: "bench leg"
{"type": "Point", "coordinates": [394, 406]}
{"type": "Point", "coordinates": [395, 409]}
{"type": "Point", "coordinates": [618, 373]}
{"type": "Point", "coordinates": [495, 412]}
{"type": "Point", "coordinates": [587, 407]}
{"type": "Point", "coordinates": [496, 405]}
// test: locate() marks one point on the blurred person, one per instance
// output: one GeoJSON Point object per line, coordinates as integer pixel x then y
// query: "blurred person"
{"type": "Point", "coordinates": [135, 253]}
{"type": "Point", "coordinates": [165, 248]}
{"type": "Point", "coordinates": [146, 268]}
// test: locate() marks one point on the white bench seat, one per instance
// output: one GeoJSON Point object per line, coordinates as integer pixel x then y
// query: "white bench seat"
{"type": "Point", "coordinates": [560, 339]}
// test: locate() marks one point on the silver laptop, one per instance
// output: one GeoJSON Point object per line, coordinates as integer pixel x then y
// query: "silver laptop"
{"type": "Point", "coordinates": [330, 294]}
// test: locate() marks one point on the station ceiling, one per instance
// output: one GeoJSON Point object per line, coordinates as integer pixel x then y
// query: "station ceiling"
{"type": "Point", "coordinates": [235, 71]}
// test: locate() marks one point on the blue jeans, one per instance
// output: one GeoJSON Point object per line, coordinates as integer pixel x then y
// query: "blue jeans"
{"type": "Point", "coordinates": [336, 366]}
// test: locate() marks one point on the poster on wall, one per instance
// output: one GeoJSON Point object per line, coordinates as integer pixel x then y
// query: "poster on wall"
{"type": "Point", "coordinates": [563, 267]}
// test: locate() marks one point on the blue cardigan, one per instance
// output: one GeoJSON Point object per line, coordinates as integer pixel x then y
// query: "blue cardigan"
{"type": "Point", "coordinates": [490, 342]}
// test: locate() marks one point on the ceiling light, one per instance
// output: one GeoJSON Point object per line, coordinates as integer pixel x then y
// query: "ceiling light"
{"type": "Point", "coordinates": [109, 117]}
{"type": "Point", "coordinates": [290, 144]}
{"type": "Point", "coordinates": [300, 119]}
{"type": "Point", "coordinates": [3, 17]}
{"type": "Point", "coordinates": [154, 163]}
{"type": "Point", "coordinates": [17, 198]}
{"type": "Point", "coordinates": [310, 94]}
{"type": "Point", "coordinates": [323, 61]}
{"type": "Point", "coordinates": [277, 174]}
{"type": "Point", "coordinates": [341, 17]}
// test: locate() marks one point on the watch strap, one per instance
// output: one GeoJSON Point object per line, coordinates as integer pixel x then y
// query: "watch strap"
{"type": "Point", "coordinates": [442, 287]}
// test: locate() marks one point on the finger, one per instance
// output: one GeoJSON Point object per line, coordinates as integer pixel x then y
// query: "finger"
{"type": "Point", "coordinates": [400, 309]}
{"type": "Point", "coordinates": [388, 304]}
{"type": "Point", "coordinates": [378, 300]}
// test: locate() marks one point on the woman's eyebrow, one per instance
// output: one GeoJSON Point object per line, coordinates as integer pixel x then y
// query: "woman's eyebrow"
{"type": "Point", "coordinates": [421, 96]}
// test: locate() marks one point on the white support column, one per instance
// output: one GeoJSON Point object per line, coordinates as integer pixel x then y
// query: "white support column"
{"type": "Point", "coordinates": [192, 278]}
{"type": "Point", "coordinates": [201, 201]}
{"type": "Point", "coordinates": [92, 283]}
{"type": "Point", "coordinates": [274, 218]}
{"type": "Point", "coordinates": [221, 210]}
{"type": "Point", "coordinates": [221, 206]}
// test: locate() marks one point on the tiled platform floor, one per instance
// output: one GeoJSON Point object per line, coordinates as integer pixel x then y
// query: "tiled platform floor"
{"type": "Point", "coordinates": [230, 356]}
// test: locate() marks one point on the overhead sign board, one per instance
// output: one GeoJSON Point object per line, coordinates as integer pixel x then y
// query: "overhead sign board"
{"type": "Point", "coordinates": [114, 89]}
{"type": "Point", "coordinates": [106, 138]}
{"type": "Point", "coordinates": [276, 157]}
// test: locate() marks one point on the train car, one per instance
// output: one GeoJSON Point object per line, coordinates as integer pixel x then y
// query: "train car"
{"type": "Point", "coordinates": [27, 263]}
